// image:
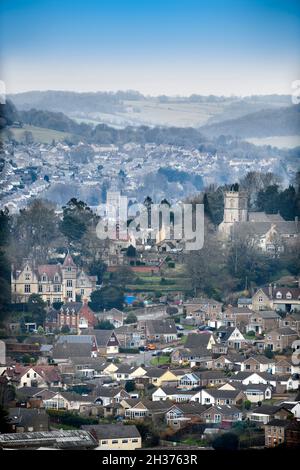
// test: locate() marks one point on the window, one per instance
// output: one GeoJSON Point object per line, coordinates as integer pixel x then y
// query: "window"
{"type": "Point", "coordinates": [124, 441]}
{"type": "Point", "coordinates": [81, 291]}
{"type": "Point", "coordinates": [27, 277]}
{"type": "Point", "coordinates": [27, 288]}
{"type": "Point", "coordinates": [135, 440]}
{"type": "Point", "coordinates": [103, 442]}
{"type": "Point", "coordinates": [69, 293]}
{"type": "Point", "coordinates": [44, 278]}
{"type": "Point", "coordinates": [288, 295]}
{"type": "Point", "coordinates": [56, 287]}
{"type": "Point", "coordinates": [279, 295]}
{"type": "Point", "coordinates": [114, 441]}
{"type": "Point", "coordinates": [69, 283]}
{"type": "Point", "coordinates": [40, 288]}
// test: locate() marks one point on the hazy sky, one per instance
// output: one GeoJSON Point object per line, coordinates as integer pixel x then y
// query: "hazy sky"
{"type": "Point", "coordinates": [155, 46]}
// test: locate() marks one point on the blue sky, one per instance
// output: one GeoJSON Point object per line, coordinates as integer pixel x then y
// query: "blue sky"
{"type": "Point", "coordinates": [154, 46]}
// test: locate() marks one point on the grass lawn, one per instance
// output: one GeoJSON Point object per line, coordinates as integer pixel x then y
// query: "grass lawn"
{"type": "Point", "coordinates": [160, 360]}
{"type": "Point", "coordinates": [39, 134]}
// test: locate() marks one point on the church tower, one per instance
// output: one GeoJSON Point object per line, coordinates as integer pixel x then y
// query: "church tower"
{"type": "Point", "coordinates": [235, 209]}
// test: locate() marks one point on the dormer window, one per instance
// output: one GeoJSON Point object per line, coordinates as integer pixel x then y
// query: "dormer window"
{"type": "Point", "coordinates": [288, 295]}
{"type": "Point", "coordinates": [279, 295]}
{"type": "Point", "coordinates": [56, 278]}
{"type": "Point", "coordinates": [44, 278]}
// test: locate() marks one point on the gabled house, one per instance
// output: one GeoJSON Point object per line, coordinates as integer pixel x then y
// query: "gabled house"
{"type": "Point", "coordinates": [284, 299]}
{"type": "Point", "coordinates": [254, 393]}
{"type": "Point", "coordinates": [143, 409]}
{"type": "Point", "coordinates": [258, 363]}
{"type": "Point", "coordinates": [161, 330]}
{"type": "Point", "coordinates": [221, 397]}
{"type": "Point", "coordinates": [36, 376]}
{"type": "Point", "coordinates": [292, 321]}
{"type": "Point", "coordinates": [194, 357]}
{"type": "Point", "coordinates": [203, 340]}
{"type": "Point", "coordinates": [115, 317]}
{"type": "Point", "coordinates": [236, 316]}
{"type": "Point", "coordinates": [158, 376]}
{"type": "Point", "coordinates": [67, 401]}
{"type": "Point", "coordinates": [280, 339]}
{"type": "Point", "coordinates": [107, 342]}
{"type": "Point", "coordinates": [109, 395]}
{"type": "Point", "coordinates": [263, 321]}
{"type": "Point", "coordinates": [129, 372]}
{"type": "Point", "coordinates": [223, 415]}
{"type": "Point", "coordinates": [189, 381]}
{"type": "Point", "coordinates": [129, 336]}
{"type": "Point", "coordinates": [231, 337]}
{"type": "Point", "coordinates": [183, 414]}
{"type": "Point", "coordinates": [228, 362]}
{"type": "Point", "coordinates": [173, 394]}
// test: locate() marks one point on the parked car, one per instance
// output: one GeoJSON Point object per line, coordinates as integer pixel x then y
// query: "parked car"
{"type": "Point", "coordinates": [168, 350]}
{"type": "Point", "coordinates": [179, 327]}
{"type": "Point", "coordinates": [151, 347]}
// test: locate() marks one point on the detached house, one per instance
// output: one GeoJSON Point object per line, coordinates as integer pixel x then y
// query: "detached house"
{"type": "Point", "coordinates": [183, 414]}
{"type": "Point", "coordinates": [231, 337]}
{"type": "Point", "coordinates": [263, 321]}
{"type": "Point", "coordinates": [291, 321]}
{"type": "Point", "coordinates": [285, 299]}
{"type": "Point", "coordinates": [222, 414]}
{"type": "Point", "coordinates": [258, 363]}
{"type": "Point", "coordinates": [221, 397]}
{"type": "Point", "coordinates": [280, 339]}
{"type": "Point", "coordinates": [107, 342]}
{"type": "Point", "coordinates": [162, 330]}
{"type": "Point", "coordinates": [36, 376]}
{"type": "Point", "coordinates": [115, 437]}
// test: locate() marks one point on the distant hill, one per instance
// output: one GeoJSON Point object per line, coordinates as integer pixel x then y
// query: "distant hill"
{"type": "Point", "coordinates": [131, 108]}
{"type": "Point", "coordinates": [265, 123]}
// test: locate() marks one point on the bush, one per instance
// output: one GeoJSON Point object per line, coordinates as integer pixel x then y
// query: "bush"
{"type": "Point", "coordinates": [226, 441]}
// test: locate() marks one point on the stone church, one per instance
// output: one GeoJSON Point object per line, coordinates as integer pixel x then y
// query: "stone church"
{"type": "Point", "coordinates": [270, 232]}
{"type": "Point", "coordinates": [53, 282]}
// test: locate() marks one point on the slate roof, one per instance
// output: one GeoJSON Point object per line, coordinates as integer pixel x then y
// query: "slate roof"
{"type": "Point", "coordinates": [112, 431]}
{"type": "Point", "coordinates": [103, 337]}
{"type": "Point", "coordinates": [25, 417]}
{"type": "Point", "coordinates": [162, 326]}
{"type": "Point", "coordinates": [197, 340]}
{"type": "Point", "coordinates": [69, 350]}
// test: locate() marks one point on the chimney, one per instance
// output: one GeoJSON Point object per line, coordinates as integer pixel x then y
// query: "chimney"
{"type": "Point", "coordinates": [270, 291]}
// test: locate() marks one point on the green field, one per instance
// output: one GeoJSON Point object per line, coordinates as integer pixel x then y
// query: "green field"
{"type": "Point", "coordinates": [170, 280]}
{"type": "Point", "coordinates": [39, 134]}
{"type": "Point", "coordinates": [160, 360]}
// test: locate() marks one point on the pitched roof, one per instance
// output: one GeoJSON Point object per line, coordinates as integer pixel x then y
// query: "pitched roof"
{"type": "Point", "coordinates": [112, 431]}
{"type": "Point", "coordinates": [70, 350]}
{"type": "Point", "coordinates": [197, 340]}
{"type": "Point", "coordinates": [162, 326]}
{"type": "Point", "coordinates": [28, 417]}
{"type": "Point", "coordinates": [68, 261]}
{"type": "Point", "coordinates": [103, 337]}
